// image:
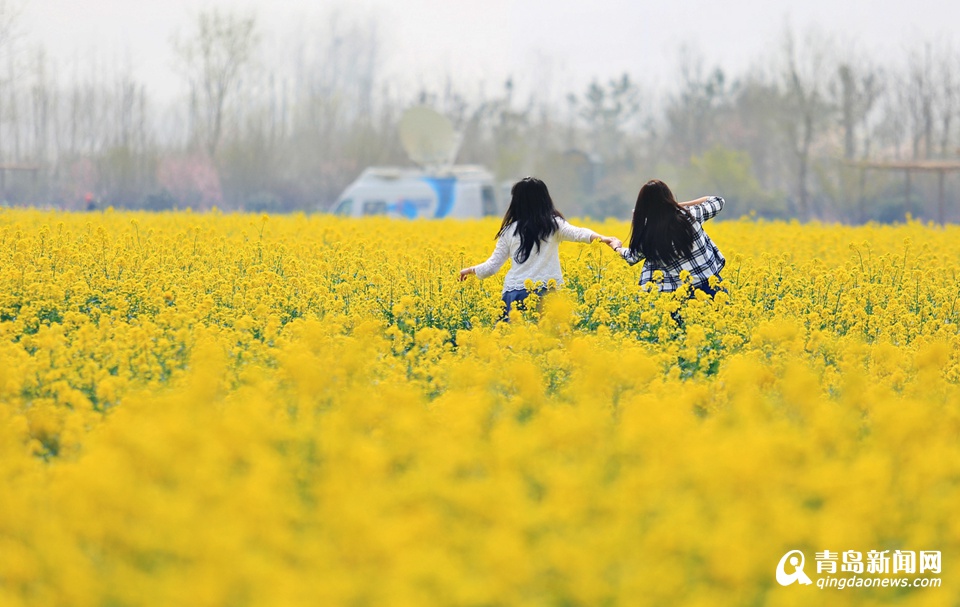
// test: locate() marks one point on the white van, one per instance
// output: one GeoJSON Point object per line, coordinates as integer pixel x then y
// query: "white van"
{"type": "Point", "coordinates": [460, 191]}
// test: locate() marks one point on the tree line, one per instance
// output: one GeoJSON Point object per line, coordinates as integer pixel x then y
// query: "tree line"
{"type": "Point", "coordinates": [779, 139]}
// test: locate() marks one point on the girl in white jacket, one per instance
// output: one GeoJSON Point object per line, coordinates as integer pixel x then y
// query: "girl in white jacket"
{"type": "Point", "coordinates": [530, 236]}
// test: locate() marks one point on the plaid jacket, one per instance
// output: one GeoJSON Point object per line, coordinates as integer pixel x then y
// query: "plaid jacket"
{"type": "Point", "coordinates": [704, 261]}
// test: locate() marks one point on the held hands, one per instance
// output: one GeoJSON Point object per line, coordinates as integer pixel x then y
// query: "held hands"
{"type": "Point", "coordinates": [612, 241]}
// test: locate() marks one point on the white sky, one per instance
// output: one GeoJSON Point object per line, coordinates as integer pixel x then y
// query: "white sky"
{"type": "Point", "coordinates": [555, 44]}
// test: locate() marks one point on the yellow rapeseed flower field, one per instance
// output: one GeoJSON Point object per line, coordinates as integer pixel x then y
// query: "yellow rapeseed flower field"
{"type": "Point", "coordinates": [231, 410]}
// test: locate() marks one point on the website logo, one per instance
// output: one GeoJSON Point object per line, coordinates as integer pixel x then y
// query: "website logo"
{"type": "Point", "coordinates": [795, 563]}
{"type": "Point", "coordinates": [891, 568]}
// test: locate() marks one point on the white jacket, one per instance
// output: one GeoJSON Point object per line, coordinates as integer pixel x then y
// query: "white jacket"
{"type": "Point", "coordinates": [541, 266]}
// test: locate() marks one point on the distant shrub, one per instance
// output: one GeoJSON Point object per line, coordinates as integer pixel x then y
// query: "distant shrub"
{"type": "Point", "coordinates": [729, 173]}
{"type": "Point", "coordinates": [159, 201]}
{"type": "Point", "coordinates": [264, 202]}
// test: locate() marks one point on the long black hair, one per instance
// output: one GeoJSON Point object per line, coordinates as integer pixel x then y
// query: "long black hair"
{"type": "Point", "coordinates": [662, 230]}
{"type": "Point", "coordinates": [531, 208]}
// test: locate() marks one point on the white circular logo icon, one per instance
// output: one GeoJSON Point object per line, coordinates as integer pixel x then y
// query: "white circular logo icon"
{"type": "Point", "coordinates": [795, 564]}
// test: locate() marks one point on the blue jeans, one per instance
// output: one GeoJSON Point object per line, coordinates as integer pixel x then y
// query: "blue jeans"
{"type": "Point", "coordinates": [706, 288]}
{"type": "Point", "coordinates": [516, 297]}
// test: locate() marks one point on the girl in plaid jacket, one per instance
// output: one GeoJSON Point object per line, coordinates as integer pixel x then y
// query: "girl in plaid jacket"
{"type": "Point", "coordinates": [669, 236]}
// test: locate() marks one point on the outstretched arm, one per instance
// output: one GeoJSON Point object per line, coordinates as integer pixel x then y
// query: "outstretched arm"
{"type": "Point", "coordinates": [492, 265]}
{"type": "Point", "coordinates": [693, 203]}
{"type": "Point", "coordinates": [704, 208]}
{"type": "Point", "coordinates": [629, 255]}
{"type": "Point", "coordinates": [573, 233]}
{"type": "Point", "coordinates": [611, 241]}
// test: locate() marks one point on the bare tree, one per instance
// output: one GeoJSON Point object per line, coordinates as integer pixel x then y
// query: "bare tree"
{"type": "Point", "coordinates": [9, 32]}
{"type": "Point", "coordinates": [213, 60]}
{"type": "Point", "coordinates": [13, 104]}
{"type": "Point", "coordinates": [919, 85]}
{"type": "Point", "coordinates": [805, 75]}
{"type": "Point", "coordinates": [692, 112]}
{"type": "Point", "coordinates": [608, 111]}
{"type": "Point", "coordinates": [860, 85]}
{"type": "Point", "coordinates": [946, 95]}
{"type": "Point", "coordinates": [756, 120]}
{"type": "Point", "coordinates": [334, 97]}
{"type": "Point", "coordinates": [43, 99]}
{"type": "Point", "coordinates": [892, 129]}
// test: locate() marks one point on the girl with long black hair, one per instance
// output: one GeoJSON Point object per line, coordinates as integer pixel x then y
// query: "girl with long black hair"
{"type": "Point", "coordinates": [669, 236]}
{"type": "Point", "coordinates": [530, 235]}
